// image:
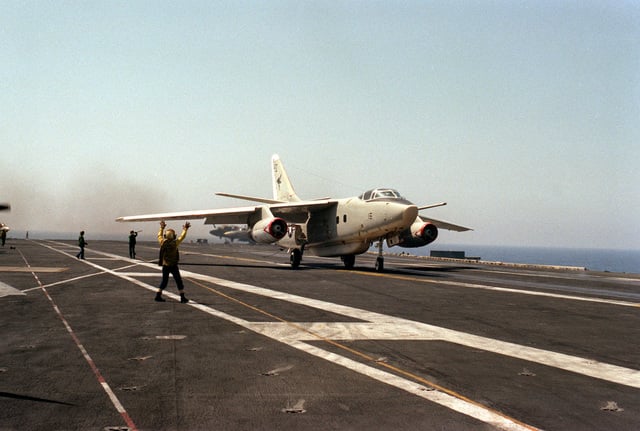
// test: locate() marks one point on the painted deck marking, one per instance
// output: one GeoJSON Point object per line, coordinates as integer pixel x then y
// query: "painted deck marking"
{"type": "Point", "coordinates": [32, 269]}
{"type": "Point", "coordinates": [6, 290]}
{"type": "Point", "coordinates": [105, 386]}
{"type": "Point", "coordinates": [505, 289]}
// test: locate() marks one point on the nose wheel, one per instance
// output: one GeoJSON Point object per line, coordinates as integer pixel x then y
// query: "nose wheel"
{"type": "Point", "coordinates": [380, 264]}
{"type": "Point", "coordinates": [380, 259]}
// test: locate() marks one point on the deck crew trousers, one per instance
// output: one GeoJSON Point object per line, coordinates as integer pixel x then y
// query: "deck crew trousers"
{"type": "Point", "coordinates": [175, 271]}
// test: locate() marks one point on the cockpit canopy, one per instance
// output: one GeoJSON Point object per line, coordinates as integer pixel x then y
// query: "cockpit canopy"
{"type": "Point", "coordinates": [380, 194]}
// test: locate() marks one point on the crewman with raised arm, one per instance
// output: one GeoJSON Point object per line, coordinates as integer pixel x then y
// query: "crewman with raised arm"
{"type": "Point", "coordinates": [169, 257]}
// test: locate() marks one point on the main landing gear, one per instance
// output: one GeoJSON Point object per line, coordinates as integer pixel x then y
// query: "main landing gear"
{"type": "Point", "coordinates": [349, 261]}
{"type": "Point", "coordinates": [295, 257]}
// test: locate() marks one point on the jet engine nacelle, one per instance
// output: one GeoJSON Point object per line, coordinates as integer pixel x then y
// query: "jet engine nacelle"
{"type": "Point", "coordinates": [425, 232]}
{"type": "Point", "coordinates": [419, 233]}
{"type": "Point", "coordinates": [268, 230]}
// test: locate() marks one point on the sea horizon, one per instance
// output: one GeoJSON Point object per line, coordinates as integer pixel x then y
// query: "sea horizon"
{"type": "Point", "coordinates": [593, 259]}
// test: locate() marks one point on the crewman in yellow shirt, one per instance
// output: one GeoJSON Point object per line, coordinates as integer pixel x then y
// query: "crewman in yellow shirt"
{"type": "Point", "coordinates": [169, 257]}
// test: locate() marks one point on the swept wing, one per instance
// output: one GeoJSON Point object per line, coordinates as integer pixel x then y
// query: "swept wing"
{"type": "Point", "coordinates": [445, 225]}
{"type": "Point", "coordinates": [290, 211]}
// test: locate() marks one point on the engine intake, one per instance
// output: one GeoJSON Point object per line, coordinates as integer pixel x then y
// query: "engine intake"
{"type": "Point", "coordinates": [427, 232]}
{"type": "Point", "coordinates": [268, 230]}
{"type": "Point", "coordinates": [419, 234]}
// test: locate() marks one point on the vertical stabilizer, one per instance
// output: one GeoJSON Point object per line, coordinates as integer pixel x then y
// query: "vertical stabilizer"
{"type": "Point", "coordinates": [282, 188]}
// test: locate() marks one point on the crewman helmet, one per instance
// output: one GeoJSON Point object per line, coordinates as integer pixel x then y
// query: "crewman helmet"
{"type": "Point", "coordinates": [170, 234]}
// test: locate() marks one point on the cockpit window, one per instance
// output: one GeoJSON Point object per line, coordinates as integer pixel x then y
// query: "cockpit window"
{"type": "Point", "coordinates": [366, 195]}
{"type": "Point", "coordinates": [386, 194]}
{"type": "Point", "coordinates": [380, 194]}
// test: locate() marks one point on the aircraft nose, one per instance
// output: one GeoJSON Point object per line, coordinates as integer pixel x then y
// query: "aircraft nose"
{"type": "Point", "coordinates": [403, 215]}
{"type": "Point", "coordinates": [409, 215]}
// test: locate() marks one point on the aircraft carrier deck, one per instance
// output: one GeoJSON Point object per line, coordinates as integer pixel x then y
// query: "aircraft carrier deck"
{"type": "Point", "coordinates": [424, 346]}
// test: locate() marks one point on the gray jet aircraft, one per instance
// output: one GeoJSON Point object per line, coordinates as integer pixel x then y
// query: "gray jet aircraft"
{"type": "Point", "coordinates": [232, 233]}
{"type": "Point", "coordinates": [327, 227]}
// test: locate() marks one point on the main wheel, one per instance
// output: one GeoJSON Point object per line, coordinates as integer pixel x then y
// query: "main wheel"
{"type": "Point", "coordinates": [349, 261]}
{"type": "Point", "coordinates": [295, 258]}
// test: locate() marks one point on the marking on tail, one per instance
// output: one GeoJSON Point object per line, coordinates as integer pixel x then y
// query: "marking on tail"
{"type": "Point", "coordinates": [282, 188]}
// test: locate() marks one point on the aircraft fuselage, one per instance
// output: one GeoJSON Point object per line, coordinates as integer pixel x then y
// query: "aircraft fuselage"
{"type": "Point", "coordinates": [350, 226]}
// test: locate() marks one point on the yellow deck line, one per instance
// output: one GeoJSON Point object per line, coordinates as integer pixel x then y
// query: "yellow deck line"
{"type": "Point", "coordinates": [32, 269]}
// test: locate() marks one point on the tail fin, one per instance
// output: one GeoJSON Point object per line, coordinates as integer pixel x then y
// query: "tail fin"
{"type": "Point", "coordinates": [282, 188]}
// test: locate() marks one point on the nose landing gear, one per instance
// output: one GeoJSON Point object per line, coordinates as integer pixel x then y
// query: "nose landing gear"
{"type": "Point", "coordinates": [380, 264]}
{"type": "Point", "coordinates": [380, 259]}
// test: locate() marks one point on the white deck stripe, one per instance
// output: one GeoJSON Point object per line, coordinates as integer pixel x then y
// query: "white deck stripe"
{"type": "Point", "coordinates": [6, 290]}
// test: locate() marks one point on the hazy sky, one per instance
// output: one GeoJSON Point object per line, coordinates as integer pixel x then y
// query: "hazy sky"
{"type": "Point", "coordinates": [523, 115]}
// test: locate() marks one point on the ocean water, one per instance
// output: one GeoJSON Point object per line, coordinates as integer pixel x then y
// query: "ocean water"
{"type": "Point", "coordinates": [593, 259]}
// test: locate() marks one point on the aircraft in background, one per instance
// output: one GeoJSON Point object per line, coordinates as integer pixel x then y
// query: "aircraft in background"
{"type": "Point", "coordinates": [4, 207]}
{"type": "Point", "coordinates": [232, 233]}
{"type": "Point", "coordinates": [326, 227]}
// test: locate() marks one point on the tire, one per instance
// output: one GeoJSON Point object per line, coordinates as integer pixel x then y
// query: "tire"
{"type": "Point", "coordinates": [295, 258]}
{"type": "Point", "coordinates": [349, 261]}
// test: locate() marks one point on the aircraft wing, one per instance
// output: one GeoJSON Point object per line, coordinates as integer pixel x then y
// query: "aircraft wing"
{"type": "Point", "coordinates": [301, 208]}
{"type": "Point", "coordinates": [290, 212]}
{"type": "Point", "coordinates": [444, 225]}
{"type": "Point", "coordinates": [250, 198]}
{"type": "Point", "coordinates": [222, 216]}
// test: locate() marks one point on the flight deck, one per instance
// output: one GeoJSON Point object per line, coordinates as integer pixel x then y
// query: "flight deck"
{"type": "Point", "coordinates": [425, 345]}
